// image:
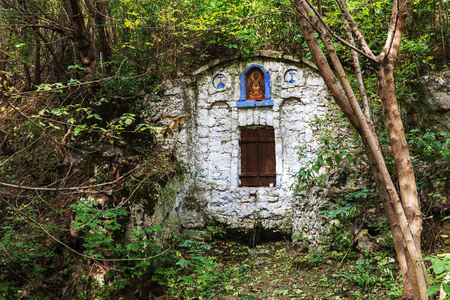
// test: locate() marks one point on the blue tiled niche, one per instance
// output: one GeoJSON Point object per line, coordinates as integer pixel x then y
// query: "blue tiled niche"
{"type": "Point", "coordinates": [243, 89]}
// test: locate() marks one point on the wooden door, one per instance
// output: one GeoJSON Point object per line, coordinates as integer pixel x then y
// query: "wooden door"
{"type": "Point", "coordinates": [258, 163]}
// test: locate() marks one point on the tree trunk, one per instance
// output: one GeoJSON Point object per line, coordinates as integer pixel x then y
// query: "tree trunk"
{"type": "Point", "coordinates": [37, 63]}
{"type": "Point", "coordinates": [27, 78]}
{"type": "Point", "coordinates": [3, 60]}
{"type": "Point", "coordinates": [80, 36]}
{"type": "Point", "coordinates": [404, 216]}
{"type": "Point", "coordinates": [100, 12]}
{"type": "Point", "coordinates": [405, 172]}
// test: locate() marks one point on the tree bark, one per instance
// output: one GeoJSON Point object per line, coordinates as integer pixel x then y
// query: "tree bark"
{"type": "Point", "coordinates": [80, 36]}
{"type": "Point", "coordinates": [357, 66]}
{"type": "Point", "coordinates": [405, 173]}
{"type": "Point", "coordinates": [100, 12]}
{"type": "Point", "coordinates": [27, 78]}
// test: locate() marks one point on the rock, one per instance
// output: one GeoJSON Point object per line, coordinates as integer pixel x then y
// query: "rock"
{"type": "Point", "coordinates": [190, 215]}
{"type": "Point", "coordinates": [364, 244]}
{"type": "Point", "coordinates": [374, 218]}
{"type": "Point", "coordinates": [335, 223]}
{"type": "Point", "coordinates": [198, 235]}
{"type": "Point", "coordinates": [432, 104]}
{"type": "Point", "coordinates": [435, 192]}
{"type": "Point", "coordinates": [150, 206]}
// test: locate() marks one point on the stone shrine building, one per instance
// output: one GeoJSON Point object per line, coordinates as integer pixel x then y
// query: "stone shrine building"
{"type": "Point", "coordinates": [249, 119]}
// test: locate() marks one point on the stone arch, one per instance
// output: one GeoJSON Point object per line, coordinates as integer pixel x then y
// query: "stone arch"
{"type": "Point", "coordinates": [221, 104]}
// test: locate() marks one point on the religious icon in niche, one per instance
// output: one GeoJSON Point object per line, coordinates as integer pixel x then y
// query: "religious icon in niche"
{"type": "Point", "coordinates": [255, 84]}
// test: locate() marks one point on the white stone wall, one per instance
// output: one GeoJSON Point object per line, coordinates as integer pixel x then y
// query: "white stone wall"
{"type": "Point", "coordinates": [209, 144]}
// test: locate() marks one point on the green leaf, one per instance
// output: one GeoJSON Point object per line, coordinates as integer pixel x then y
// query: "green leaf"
{"type": "Point", "coordinates": [349, 158]}
{"type": "Point", "coordinates": [320, 161]}
{"type": "Point", "coordinates": [329, 161]}
{"type": "Point", "coordinates": [439, 265]}
{"type": "Point", "coordinates": [432, 290]}
{"type": "Point", "coordinates": [44, 111]}
{"type": "Point", "coordinates": [182, 262]}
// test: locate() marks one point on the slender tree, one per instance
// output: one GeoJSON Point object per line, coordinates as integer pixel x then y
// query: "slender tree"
{"type": "Point", "coordinates": [401, 205]}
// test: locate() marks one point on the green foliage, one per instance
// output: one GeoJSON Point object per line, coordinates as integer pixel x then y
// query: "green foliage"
{"type": "Point", "coordinates": [100, 228]}
{"type": "Point", "coordinates": [231, 26]}
{"type": "Point", "coordinates": [155, 40]}
{"type": "Point", "coordinates": [440, 267]}
{"type": "Point", "coordinates": [342, 210]}
{"type": "Point", "coordinates": [312, 259]}
{"type": "Point", "coordinates": [430, 146]}
{"type": "Point", "coordinates": [193, 273]}
{"type": "Point", "coordinates": [133, 79]}
{"type": "Point", "coordinates": [338, 143]}
{"type": "Point", "coordinates": [366, 278]}
{"type": "Point", "coordinates": [27, 253]}
{"type": "Point", "coordinates": [430, 151]}
{"type": "Point", "coordinates": [84, 120]}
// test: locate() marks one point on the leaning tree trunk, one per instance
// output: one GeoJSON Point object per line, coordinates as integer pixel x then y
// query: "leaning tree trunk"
{"type": "Point", "coordinates": [403, 214]}
{"type": "Point", "coordinates": [405, 173]}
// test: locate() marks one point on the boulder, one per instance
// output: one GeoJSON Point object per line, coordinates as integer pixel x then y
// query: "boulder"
{"type": "Point", "coordinates": [432, 104]}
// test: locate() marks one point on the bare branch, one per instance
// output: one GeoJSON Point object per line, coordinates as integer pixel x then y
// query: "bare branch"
{"type": "Point", "coordinates": [334, 60]}
{"type": "Point", "coordinates": [77, 189]}
{"type": "Point", "coordinates": [322, 64]}
{"type": "Point", "coordinates": [357, 66]}
{"type": "Point", "coordinates": [75, 251]}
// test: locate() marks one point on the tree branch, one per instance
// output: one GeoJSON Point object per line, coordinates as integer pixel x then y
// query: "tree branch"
{"type": "Point", "coordinates": [75, 251]}
{"type": "Point", "coordinates": [78, 189]}
{"type": "Point", "coordinates": [355, 28]}
{"type": "Point", "coordinates": [399, 14]}
{"type": "Point", "coordinates": [369, 55]}
{"type": "Point", "coordinates": [357, 66]}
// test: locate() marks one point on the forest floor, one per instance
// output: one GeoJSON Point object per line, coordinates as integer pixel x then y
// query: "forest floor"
{"type": "Point", "coordinates": [280, 270]}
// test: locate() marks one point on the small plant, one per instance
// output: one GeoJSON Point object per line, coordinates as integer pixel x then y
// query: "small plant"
{"type": "Point", "coordinates": [441, 269]}
{"type": "Point", "coordinates": [133, 258]}
{"type": "Point", "coordinates": [311, 260]}
{"type": "Point", "coordinates": [430, 146]}
{"type": "Point", "coordinates": [193, 273]}
{"type": "Point", "coordinates": [338, 144]}
{"type": "Point", "coordinates": [371, 275]}
{"type": "Point", "coordinates": [342, 210]}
